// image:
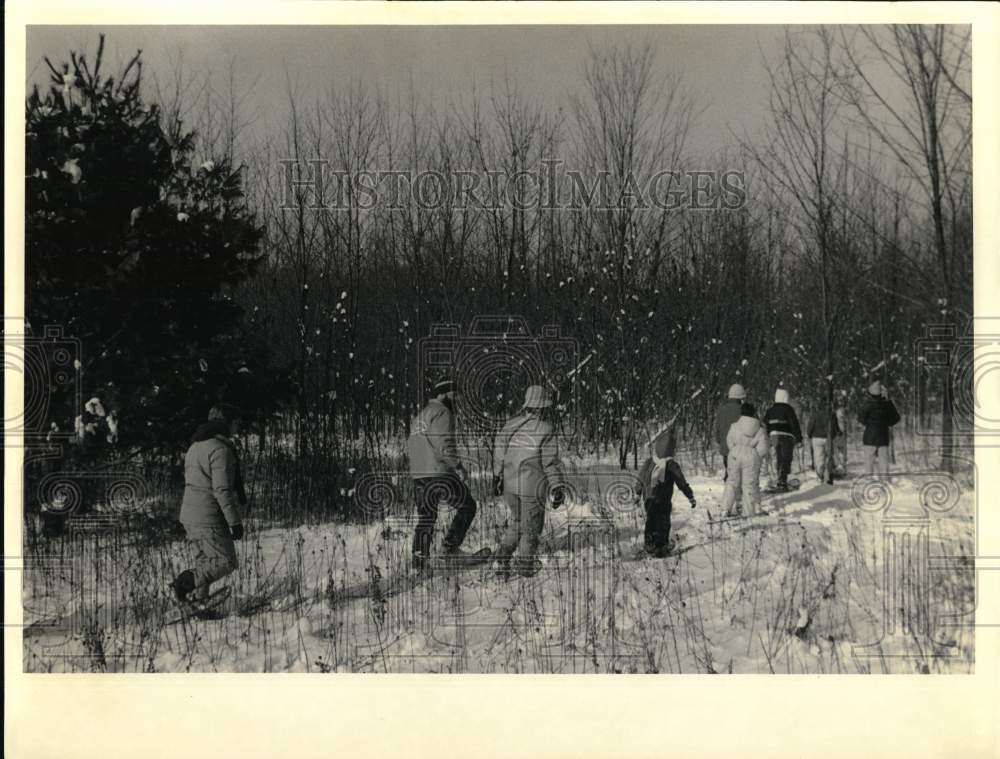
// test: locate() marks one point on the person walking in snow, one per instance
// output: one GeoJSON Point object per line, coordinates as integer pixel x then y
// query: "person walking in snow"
{"type": "Point", "coordinates": [438, 475]}
{"type": "Point", "coordinates": [823, 427]}
{"type": "Point", "coordinates": [877, 415]}
{"type": "Point", "coordinates": [657, 477]}
{"type": "Point", "coordinates": [748, 447]}
{"type": "Point", "coordinates": [727, 413]}
{"type": "Point", "coordinates": [528, 474]}
{"type": "Point", "coordinates": [783, 428]}
{"type": "Point", "coordinates": [840, 443]}
{"type": "Point", "coordinates": [212, 506]}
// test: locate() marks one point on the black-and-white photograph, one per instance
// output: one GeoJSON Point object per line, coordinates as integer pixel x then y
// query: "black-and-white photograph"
{"type": "Point", "coordinates": [499, 349]}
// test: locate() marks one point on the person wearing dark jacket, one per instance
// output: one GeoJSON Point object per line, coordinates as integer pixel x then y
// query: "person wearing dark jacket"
{"type": "Point", "coordinates": [877, 415]}
{"type": "Point", "coordinates": [822, 427]}
{"type": "Point", "coordinates": [783, 427]}
{"type": "Point", "coordinates": [727, 413]}
{"type": "Point", "coordinates": [657, 477]}
{"type": "Point", "coordinates": [211, 509]}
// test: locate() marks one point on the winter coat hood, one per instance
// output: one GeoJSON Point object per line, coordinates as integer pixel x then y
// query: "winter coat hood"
{"type": "Point", "coordinates": [747, 432]}
{"type": "Point", "coordinates": [665, 444]}
{"type": "Point", "coordinates": [747, 425]}
{"type": "Point", "coordinates": [781, 395]}
{"type": "Point", "coordinates": [209, 430]}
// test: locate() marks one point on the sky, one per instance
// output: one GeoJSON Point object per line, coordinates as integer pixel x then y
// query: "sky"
{"type": "Point", "coordinates": [722, 65]}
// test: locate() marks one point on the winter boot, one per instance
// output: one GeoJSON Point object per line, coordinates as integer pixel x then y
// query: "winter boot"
{"type": "Point", "coordinates": [182, 586]}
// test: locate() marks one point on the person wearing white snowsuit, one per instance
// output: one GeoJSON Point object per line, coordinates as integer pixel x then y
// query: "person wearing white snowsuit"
{"type": "Point", "coordinates": [528, 474]}
{"type": "Point", "coordinates": [727, 413]}
{"type": "Point", "coordinates": [748, 447]}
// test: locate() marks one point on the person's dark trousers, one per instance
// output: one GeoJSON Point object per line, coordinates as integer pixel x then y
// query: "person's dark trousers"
{"type": "Point", "coordinates": [784, 446]}
{"type": "Point", "coordinates": [428, 494]}
{"type": "Point", "coordinates": [725, 467]}
{"type": "Point", "coordinates": [657, 534]}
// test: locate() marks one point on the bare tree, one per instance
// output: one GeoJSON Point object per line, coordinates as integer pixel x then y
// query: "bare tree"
{"type": "Point", "coordinates": [929, 132]}
{"type": "Point", "coordinates": [630, 124]}
{"type": "Point", "coordinates": [807, 168]}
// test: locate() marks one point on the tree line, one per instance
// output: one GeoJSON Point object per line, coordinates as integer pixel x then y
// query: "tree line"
{"type": "Point", "coordinates": [854, 234]}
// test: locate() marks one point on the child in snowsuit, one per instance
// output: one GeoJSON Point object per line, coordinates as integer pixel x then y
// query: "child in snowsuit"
{"type": "Point", "coordinates": [725, 415]}
{"type": "Point", "coordinates": [877, 415]}
{"type": "Point", "coordinates": [748, 446]}
{"type": "Point", "coordinates": [783, 428]}
{"type": "Point", "coordinates": [657, 477]}
{"type": "Point", "coordinates": [822, 427]}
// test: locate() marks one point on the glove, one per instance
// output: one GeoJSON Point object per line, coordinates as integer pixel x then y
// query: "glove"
{"type": "Point", "coordinates": [693, 503]}
{"type": "Point", "coordinates": [498, 484]}
{"type": "Point", "coordinates": [558, 496]}
{"type": "Point", "coordinates": [237, 531]}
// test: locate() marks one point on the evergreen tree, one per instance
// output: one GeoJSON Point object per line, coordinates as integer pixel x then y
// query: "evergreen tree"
{"type": "Point", "coordinates": [131, 249]}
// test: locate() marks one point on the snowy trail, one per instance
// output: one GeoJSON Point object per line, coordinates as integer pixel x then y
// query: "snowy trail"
{"type": "Point", "coordinates": [796, 591]}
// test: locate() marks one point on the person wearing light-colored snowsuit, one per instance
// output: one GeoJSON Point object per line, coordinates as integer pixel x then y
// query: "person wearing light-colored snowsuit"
{"type": "Point", "coordinates": [878, 415]}
{"type": "Point", "coordinates": [821, 428]}
{"type": "Point", "coordinates": [748, 447]}
{"type": "Point", "coordinates": [438, 475]}
{"type": "Point", "coordinates": [840, 443]}
{"type": "Point", "coordinates": [727, 413]}
{"type": "Point", "coordinates": [212, 505]}
{"type": "Point", "coordinates": [528, 474]}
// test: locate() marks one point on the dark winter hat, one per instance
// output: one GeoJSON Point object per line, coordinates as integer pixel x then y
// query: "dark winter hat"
{"type": "Point", "coordinates": [223, 412]}
{"type": "Point", "coordinates": [444, 386]}
{"type": "Point", "coordinates": [748, 409]}
{"type": "Point", "coordinates": [665, 443]}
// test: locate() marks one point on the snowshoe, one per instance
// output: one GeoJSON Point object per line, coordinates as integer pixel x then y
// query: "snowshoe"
{"type": "Point", "coordinates": [206, 608]}
{"type": "Point", "coordinates": [459, 559]}
{"type": "Point", "coordinates": [789, 486]}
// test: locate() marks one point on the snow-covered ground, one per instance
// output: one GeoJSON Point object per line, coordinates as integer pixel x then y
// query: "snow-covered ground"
{"type": "Point", "coordinates": [860, 576]}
